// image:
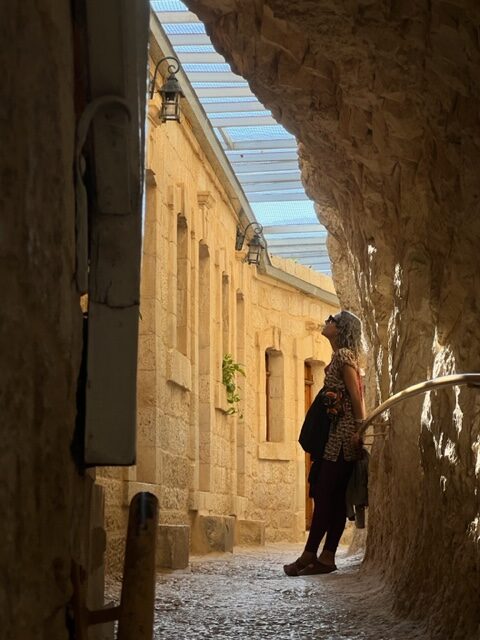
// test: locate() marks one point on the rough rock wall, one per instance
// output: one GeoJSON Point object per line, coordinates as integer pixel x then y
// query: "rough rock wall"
{"type": "Point", "coordinates": [384, 100]}
{"type": "Point", "coordinates": [40, 327]}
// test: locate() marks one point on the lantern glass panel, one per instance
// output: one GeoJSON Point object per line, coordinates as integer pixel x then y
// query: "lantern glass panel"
{"type": "Point", "coordinates": [170, 109]}
{"type": "Point", "coordinates": [254, 252]}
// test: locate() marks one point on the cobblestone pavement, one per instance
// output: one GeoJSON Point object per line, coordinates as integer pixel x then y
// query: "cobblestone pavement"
{"type": "Point", "coordinates": [246, 595]}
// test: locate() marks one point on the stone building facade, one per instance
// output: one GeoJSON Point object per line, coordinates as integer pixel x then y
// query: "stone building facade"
{"type": "Point", "coordinates": [219, 478]}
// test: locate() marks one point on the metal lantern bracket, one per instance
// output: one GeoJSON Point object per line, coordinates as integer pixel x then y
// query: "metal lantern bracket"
{"type": "Point", "coordinates": [170, 91]}
{"type": "Point", "coordinates": [255, 245]}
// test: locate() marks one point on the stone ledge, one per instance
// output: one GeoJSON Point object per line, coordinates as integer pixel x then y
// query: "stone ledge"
{"type": "Point", "coordinates": [173, 544]}
{"type": "Point", "coordinates": [277, 450]}
{"type": "Point", "coordinates": [213, 533]}
{"type": "Point", "coordinates": [179, 369]}
{"type": "Point", "coordinates": [250, 532]}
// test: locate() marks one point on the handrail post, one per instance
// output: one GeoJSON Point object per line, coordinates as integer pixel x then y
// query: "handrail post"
{"type": "Point", "coordinates": [138, 588]}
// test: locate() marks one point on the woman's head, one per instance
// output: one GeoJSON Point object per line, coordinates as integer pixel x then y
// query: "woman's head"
{"type": "Point", "coordinates": [346, 331]}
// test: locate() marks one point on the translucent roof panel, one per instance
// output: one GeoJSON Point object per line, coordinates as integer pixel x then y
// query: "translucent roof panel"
{"type": "Point", "coordinates": [168, 5]}
{"type": "Point", "coordinates": [228, 99]}
{"type": "Point", "coordinates": [257, 133]}
{"type": "Point", "coordinates": [214, 85]}
{"type": "Point", "coordinates": [240, 114]}
{"type": "Point", "coordinates": [185, 27]}
{"type": "Point", "coordinates": [283, 213]}
{"type": "Point", "coordinates": [261, 152]}
{"type": "Point", "coordinates": [208, 68]}
{"type": "Point", "coordinates": [195, 48]}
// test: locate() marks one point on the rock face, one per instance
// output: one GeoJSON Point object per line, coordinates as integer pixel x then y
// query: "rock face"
{"type": "Point", "coordinates": [384, 100]}
{"type": "Point", "coordinates": [40, 327]}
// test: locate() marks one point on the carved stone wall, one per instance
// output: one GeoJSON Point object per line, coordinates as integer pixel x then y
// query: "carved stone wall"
{"type": "Point", "coordinates": [44, 501]}
{"type": "Point", "coordinates": [384, 100]}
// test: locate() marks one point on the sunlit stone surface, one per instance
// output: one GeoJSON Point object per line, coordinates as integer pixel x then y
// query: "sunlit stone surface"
{"type": "Point", "coordinates": [384, 100]}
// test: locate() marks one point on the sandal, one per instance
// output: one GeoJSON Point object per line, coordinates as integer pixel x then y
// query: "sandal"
{"type": "Point", "coordinates": [294, 568]}
{"type": "Point", "coordinates": [316, 567]}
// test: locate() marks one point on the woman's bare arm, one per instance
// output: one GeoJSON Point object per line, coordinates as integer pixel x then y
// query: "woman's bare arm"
{"type": "Point", "coordinates": [350, 377]}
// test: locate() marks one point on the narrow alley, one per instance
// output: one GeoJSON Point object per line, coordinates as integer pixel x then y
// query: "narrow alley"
{"type": "Point", "coordinates": [239, 264]}
{"type": "Point", "coordinates": [247, 595]}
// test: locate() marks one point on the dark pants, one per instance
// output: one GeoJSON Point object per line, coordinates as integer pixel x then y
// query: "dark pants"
{"type": "Point", "coordinates": [328, 487]}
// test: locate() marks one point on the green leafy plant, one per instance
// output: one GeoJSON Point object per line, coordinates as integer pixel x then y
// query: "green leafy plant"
{"type": "Point", "coordinates": [229, 370]}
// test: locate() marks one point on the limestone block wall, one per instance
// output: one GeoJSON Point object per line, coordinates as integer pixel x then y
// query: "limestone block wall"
{"type": "Point", "coordinates": [200, 301]}
{"type": "Point", "coordinates": [384, 100]}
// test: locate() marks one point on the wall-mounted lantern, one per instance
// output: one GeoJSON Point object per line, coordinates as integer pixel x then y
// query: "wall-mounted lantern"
{"type": "Point", "coordinates": [170, 92]}
{"type": "Point", "coordinates": [255, 245]}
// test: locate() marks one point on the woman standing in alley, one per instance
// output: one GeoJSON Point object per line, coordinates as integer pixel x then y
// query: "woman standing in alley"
{"type": "Point", "coordinates": [329, 475]}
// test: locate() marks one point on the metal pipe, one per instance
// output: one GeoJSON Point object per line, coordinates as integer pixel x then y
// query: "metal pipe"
{"type": "Point", "coordinates": [138, 588]}
{"type": "Point", "coordinates": [456, 380]}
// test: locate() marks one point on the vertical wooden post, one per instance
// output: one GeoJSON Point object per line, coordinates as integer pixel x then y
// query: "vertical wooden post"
{"type": "Point", "coordinates": [138, 589]}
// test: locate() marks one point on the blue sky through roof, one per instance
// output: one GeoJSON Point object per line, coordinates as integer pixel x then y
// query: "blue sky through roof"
{"type": "Point", "coordinates": [272, 132]}
{"type": "Point", "coordinates": [206, 67]}
{"type": "Point", "coordinates": [239, 114]}
{"type": "Point", "coordinates": [220, 85]}
{"type": "Point", "coordinates": [277, 212]}
{"type": "Point", "coordinates": [168, 5]}
{"type": "Point", "coordinates": [229, 99]}
{"type": "Point", "coordinates": [183, 28]}
{"type": "Point", "coordinates": [195, 48]}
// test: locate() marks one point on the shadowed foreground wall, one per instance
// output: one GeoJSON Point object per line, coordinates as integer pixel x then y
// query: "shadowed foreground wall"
{"type": "Point", "coordinates": [384, 100]}
{"type": "Point", "coordinates": [40, 328]}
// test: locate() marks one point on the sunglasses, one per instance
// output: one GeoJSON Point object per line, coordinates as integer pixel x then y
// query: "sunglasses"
{"type": "Point", "coordinates": [331, 319]}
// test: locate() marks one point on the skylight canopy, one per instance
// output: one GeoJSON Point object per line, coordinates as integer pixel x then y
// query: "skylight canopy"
{"type": "Point", "coordinates": [261, 152]}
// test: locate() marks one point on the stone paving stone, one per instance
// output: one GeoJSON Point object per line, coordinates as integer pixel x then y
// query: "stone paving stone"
{"type": "Point", "coordinates": [246, 595]}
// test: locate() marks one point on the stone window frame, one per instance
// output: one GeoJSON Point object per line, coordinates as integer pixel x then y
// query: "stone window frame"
{"type": "Point", "coordinates": [179, 365]}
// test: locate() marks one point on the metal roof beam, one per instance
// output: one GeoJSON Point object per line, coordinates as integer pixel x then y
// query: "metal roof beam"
{"type": "Point", "coordinates": [280, 143]}
{"type": "Point", "coordinates": [234, 107]}
{"type": "Point", "coordinates": [277, 197]}
{"type": "Point", "coordinates": [192, 39]}
{"type": "Point", "coordinates": [268, 187]}
{"type": "Point", "coordinates": [201, 58]}
{"type": "Point", "coordinates": [176, 17]}
{"type": "Point", "coordinates": [319, 266]}
{"type": "Point", "coordinates": [305, 242]}
{"type": "Point", "coordinates": [244, 121]}
{"type": "Point", "coordinates": [242, 168]}
{"type": "Point", "coordinates": [222, 92]}
{"type": "Point", "coordinates": [298, 252]}
{"type": "Point", "coordinates": [214, 76]}
{"type": "Point", "coordinates": [269, 177]}
{"type": "Point", "coordinates": [294, 228]}
{"type": "Point", "coordinates": [241, 157]}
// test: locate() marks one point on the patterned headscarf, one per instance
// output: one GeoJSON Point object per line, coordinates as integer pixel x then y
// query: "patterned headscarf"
{"type": "Point", "coordinates": [349, 328]}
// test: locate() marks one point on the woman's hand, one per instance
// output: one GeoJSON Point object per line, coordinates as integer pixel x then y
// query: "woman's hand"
{"type": "Point", "coordinates": [357, 440]}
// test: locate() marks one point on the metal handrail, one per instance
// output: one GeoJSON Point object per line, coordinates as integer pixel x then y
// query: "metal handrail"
{"type": "Point", "coordinates": [456, 380]}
